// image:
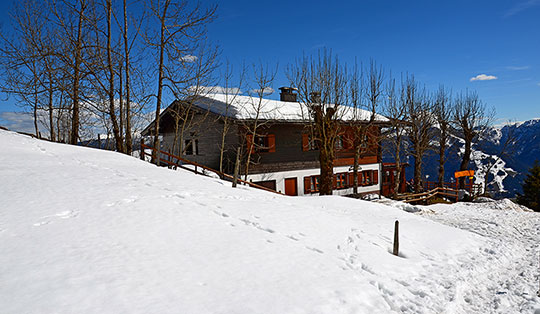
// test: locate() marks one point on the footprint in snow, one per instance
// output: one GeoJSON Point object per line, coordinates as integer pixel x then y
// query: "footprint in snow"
{"type": "Point", "coordinates": [292, 237]}
{"type": "Point", "coordinates": [314, 249]}
{"type": "Point", "coordinates": [220, 214]}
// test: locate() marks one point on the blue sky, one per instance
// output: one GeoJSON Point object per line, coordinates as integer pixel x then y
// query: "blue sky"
{"type": "Point", "coordinates": [440, 42]}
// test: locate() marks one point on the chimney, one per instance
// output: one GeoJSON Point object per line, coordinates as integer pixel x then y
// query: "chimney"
{"type": "Point", "coordinates": [287, 94]}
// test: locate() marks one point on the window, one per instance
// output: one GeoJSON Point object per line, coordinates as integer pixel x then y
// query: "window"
{"type": "Point", "coordinates": [308, 143]}
{"type": "Point", "coordinates": [367, 177]}
{"type": "Point", "coordinates": [191, 147]}
{"type": "Point", "coordinates": [315, 184]}
{"type": "Point", "coordinates": [262, 143]}
{"type": "Point", "coordinates": [341, 180]}
{"type": "Point", "coordinates": [311, 184]}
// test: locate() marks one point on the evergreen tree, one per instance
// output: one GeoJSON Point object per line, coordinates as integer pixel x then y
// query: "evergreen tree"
{"type": "Point", "coordinates": [531, 189]}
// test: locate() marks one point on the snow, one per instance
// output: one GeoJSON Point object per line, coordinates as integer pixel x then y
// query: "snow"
{"type": "Point", "coordinates": [490, 164]}
{"type": "Point", "coordinates": [248, 107]}
{"type": "Point", "coordinates": [90, 231]}
{"type": "Point", "coordinates": [487, 164]}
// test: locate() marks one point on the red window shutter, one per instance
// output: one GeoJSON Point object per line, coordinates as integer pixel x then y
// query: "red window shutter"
{"type": "Point", "coordinates": [375, 176]}
{"type": "Point", "coordinates": [307, 185]}
{"type": "Point", "coordinates": [305, 142]}
{"type": "Point", "coordinates": [249, 142]}
{"type": "Point", "coordinates": [335, 181]}
{"type": "Point", "coordinates": [271, 143]}
{"type": "Point", "coordinates": [350, 179]}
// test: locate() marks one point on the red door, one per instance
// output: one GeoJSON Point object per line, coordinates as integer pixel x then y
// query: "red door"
{"type": "Point", "coordinates": [291, 187]}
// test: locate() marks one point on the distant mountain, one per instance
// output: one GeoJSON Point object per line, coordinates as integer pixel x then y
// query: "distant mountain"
{"type": "Point", "coordinates": [505, 173]}
{"type": "Point", "coordinates": [523, 151]}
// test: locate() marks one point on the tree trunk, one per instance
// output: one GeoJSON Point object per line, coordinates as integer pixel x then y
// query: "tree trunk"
{"type": "Point", "coordinates": [155, 158]}
{"type": "Point", "coordinates": [442, 147]}
{"type": "Point", "coordinates": [121, 107]}
{"type": "Point", "coordinates": [417, 174]}
{"type": "Point", "coordinates": [51, 112]}
{"type": "Point", "coordinates": [355, 168]}
{"type": "Point", "coordinates": [326, 185]}
{"type": "Point", "coordinates": [129, 140]}
{"type": "Point", "coordinates": [222, 145]}
{"type": "Point", "coordinates": [74, 136]}
{"type": "Point", "coordinates": [112, 112]}
{"type": "Point", "coordinates": [36, 120]}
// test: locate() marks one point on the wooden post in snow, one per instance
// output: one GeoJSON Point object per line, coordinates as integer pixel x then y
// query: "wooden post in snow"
{"type": "Point", "coordinates": [142, 149]}
{"type": "Point", "coordinates": [396, 238]}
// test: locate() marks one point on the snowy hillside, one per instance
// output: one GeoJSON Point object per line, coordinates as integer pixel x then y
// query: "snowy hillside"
{"type": "Point", "coordinates": [90, 231]}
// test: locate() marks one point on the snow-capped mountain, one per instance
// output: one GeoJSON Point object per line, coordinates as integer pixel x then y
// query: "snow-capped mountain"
{"type": "Point", "coordinates": [505, 153]}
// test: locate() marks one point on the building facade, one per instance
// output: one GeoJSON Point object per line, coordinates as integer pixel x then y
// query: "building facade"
{"type": "Point", "coordinates": [276, 135]}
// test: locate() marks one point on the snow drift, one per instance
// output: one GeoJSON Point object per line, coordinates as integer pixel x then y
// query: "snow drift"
{"type": "Point", "coordinates": [90, 231]}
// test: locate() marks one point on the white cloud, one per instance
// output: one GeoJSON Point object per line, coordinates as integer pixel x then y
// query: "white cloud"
{"type": "Point", "coordinates": [524, 5]}
{"type": "Point", "coordinates": [514, 68]}
{"type": "Point", "coordinates": [189, 58]}
{"type": "Point", "coordinates": [538, 83]}
{"type": "Point", "coordinates": [483, 77]}
{"type": "Point", "coordinates": [18, 121]}
{"type": "Point", "coordinates": [265, 91]}
{"type": "Point", "coordinates": [203, 90]}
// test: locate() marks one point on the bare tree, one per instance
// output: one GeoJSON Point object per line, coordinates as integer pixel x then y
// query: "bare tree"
{"type": "Point", "coordinates": [180, 28]}
{"type": "Point", "coordinates": [263, 79]}
{"type": "Point", "coordinates": [231, 93]}
{"type": "Point", "coordinates": [73, 23]}
{"type": "Point", "coordinates": [186, 116]}
{"type": "Point", "coordinates": [443, 110]}
{"type": "Point", "coordinates": [363, 135]}
{"type": "Point", "coordinates": [395, 133]}
{"type": "Point", "coordinates": [471, 118]}
{"type": "Point", "coordinates": [128, 44]}
{"type": "Point", "coordinates": [420, 125]}
{"type": "Point", "coordinates": [22, 55]}
{"type": "Point", "coordinates": [321, 82]}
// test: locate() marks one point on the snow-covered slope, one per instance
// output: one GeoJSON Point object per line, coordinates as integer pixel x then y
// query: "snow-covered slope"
{"type": "Point", "coordinates": [90, 231]}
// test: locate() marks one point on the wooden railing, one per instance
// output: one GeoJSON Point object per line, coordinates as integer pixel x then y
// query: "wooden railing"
{"type": "Point", "coordinates": [473, 189]}
{"type": "Point", "coordinates": [438, 191]}
{"type": "Point", "coordinates": [180, 162]}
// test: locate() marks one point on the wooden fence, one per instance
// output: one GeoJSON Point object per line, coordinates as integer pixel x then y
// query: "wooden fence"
{"type": "Point", "coordinates": [180, 162]}
{"type": "Point", "coordinates": [473, 189]}
{"type": "Point", "coordinates": [452, 194]}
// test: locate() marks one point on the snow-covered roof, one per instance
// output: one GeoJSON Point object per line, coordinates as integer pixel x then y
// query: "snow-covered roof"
{"type": "Point", "coordinates": [246, 108]}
